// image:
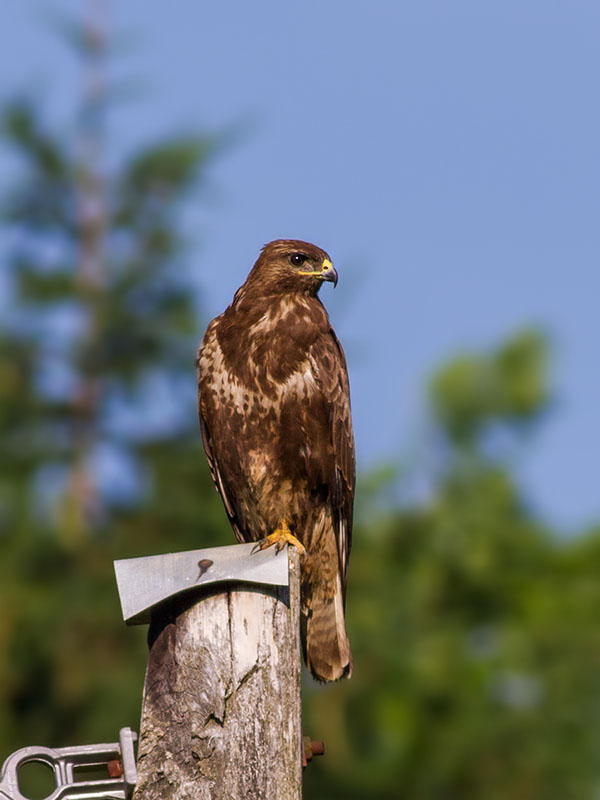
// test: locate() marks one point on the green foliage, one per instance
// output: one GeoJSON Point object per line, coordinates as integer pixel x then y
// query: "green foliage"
{"type": "Point", "coordinates": [473, 626]}
{"type": "Point", "coordinates": [86, 357]}
{"type": "Point", "coordinates": [507, 386]}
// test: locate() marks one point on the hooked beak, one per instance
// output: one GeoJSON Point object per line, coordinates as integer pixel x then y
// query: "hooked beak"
{"type": "Point", "coordinates": [326, 273]}
{"type": "Point", "coordinates": [329, 273]}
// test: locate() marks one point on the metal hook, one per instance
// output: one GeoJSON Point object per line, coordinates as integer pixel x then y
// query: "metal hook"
{"type": "Point", "coordinates": [64, 760]}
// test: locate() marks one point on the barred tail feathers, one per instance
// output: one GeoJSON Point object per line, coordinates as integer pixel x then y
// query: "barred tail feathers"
{"type": "Point", "coordinates": [325, 641]}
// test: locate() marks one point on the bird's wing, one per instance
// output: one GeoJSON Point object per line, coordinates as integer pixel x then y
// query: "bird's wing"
{"type": "Point", "coordinates": [332, 377]}
{"type": "Point", "coordinates": [218, 480]}
{"type": "Point", "coordinates": [206, 352]}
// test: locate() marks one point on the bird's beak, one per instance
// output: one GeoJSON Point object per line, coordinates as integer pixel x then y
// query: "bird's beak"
{"type": "Point", "coordinates": [326, 273]}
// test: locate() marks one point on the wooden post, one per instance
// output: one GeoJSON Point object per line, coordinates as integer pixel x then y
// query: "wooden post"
{"type": "Point", "coordinates": [221, 708]}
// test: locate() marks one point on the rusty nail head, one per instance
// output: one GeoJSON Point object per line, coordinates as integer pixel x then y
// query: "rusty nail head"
{"type": "Point", "coordinates": [115, 768]}
{"type": "Point", "coordinates": [318, 747]}
{"type": "Point", "coordinates": [310, 748]}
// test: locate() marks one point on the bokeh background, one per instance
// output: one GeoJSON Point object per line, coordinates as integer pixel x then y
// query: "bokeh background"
{"type": "Point", "coordinates": [446, 155]}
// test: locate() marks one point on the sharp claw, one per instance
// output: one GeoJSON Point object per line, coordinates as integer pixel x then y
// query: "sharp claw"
{"type": "Point", "coordinates": [279, 538]}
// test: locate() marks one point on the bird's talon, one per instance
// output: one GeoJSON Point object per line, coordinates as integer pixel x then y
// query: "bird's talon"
{"type": "Point", "coordinates": [280, 537]}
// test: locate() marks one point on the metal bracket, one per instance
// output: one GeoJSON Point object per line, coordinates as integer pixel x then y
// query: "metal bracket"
{"type": "Point", "coordinates": [119, 759]}
{"type": "Point", "coordinates": [145, 582]}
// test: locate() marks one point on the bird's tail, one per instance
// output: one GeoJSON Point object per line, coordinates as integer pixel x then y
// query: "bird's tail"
{"type": "Point", "coordinates": [324, 639]}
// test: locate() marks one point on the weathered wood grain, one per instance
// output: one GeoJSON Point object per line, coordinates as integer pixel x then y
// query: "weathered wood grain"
{"type": "Point", "coordinates": [221, 708]}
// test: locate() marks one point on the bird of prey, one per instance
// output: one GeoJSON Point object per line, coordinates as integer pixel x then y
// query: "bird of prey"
{"type": "Point", "coordinates": [274, 409]}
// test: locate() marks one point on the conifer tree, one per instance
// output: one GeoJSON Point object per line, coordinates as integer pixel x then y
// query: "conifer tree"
{"type": "Point", "coordinates": [100, 453]}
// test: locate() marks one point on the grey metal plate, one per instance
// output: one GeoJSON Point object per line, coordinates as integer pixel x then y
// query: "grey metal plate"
{"type": "Point", "coordinates": [145, 582]}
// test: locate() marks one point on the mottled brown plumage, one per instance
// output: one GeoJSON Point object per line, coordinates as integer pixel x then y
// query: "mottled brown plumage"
{"type": "Point", "coordinates": [275, 417]}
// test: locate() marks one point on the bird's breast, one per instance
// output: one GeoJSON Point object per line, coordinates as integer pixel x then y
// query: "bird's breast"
{"type": "Point", "coordinates": [258, 389]}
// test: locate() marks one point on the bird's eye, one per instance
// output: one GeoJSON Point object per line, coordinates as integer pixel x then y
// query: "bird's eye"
{"type": "Point", "coordinates": [297, 259]}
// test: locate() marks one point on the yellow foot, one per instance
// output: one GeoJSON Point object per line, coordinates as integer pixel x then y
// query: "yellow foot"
{"type": "Point", "coordinates": [279, 538]}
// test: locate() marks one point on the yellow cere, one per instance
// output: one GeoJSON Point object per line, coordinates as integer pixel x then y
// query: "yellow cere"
{"type": "Point", "coordinates": [324, 267]}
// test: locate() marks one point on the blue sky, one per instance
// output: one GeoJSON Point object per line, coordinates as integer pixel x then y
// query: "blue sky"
{"type": "Point", "coordinates": [446, 154]}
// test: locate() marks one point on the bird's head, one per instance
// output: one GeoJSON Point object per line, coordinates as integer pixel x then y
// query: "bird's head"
{"type": "Point", "coordinates": [293, 266]}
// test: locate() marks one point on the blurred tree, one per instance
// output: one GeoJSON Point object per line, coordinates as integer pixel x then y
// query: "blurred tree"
{"type": "Point", "coordinates": [473, 626]}
{"type": "Point", "coordinates": [100, 454]}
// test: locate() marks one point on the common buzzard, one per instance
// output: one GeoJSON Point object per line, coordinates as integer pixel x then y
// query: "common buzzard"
{"type": "Point", "coordinates": [275, 417]}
